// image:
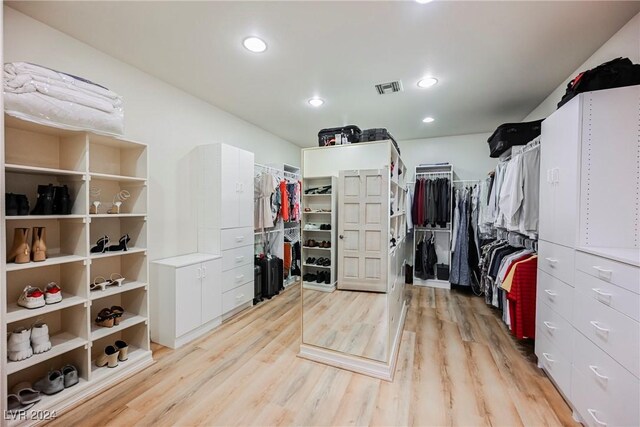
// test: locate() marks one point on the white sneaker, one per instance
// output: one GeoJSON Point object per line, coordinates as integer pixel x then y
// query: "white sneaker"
{"type": "Point", "coordinates": [40, 338]}
{"type": "Point", "coordinates": [312, 226]}
{"type": "Point", "coordinates": [52, 293]}
{"type": "Point", "coordinates": [19, 345]}
{"type": "Point", "coordinates": [31, 297]}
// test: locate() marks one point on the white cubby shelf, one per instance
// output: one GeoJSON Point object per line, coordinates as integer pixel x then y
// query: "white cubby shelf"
{"type": "Point", "coordinates": [85, 162]}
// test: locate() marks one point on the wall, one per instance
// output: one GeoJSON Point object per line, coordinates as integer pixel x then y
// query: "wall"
{"type": "Point", "coordinates": [172, 122]}
{"type": "Point", "coordinates": [624, 43]}
{"type": "Point", "coordinates": [469, 154]}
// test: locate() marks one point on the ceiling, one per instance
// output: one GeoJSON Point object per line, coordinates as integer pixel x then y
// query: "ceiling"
{"type": "Point", "coordinates": [495, 61]}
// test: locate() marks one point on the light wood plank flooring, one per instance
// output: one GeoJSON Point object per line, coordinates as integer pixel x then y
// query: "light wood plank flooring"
{"type": "Point", "coordinates": [457, 366]}
{"type": "Point", "coordinates": [352, 322]}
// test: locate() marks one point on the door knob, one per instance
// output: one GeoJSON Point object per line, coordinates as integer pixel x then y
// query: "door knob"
{"type": "Point", "coordinates": [341, 236]}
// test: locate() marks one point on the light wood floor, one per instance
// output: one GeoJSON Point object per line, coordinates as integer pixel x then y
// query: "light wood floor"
{"type": "Point", "coordinates": [352, 322]}
{"type": "Point", "coordinates": [457, 366]}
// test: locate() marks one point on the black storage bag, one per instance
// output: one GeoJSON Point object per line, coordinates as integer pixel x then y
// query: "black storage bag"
{"type": "Point", "coordinates": [442, 272]}
{"type": "Point", "coordinates": [270, 281]}
{"type": "Point", "coordinates": [378, 134]}
{"type": "Point", "coordinates": [510, 134]}
{"type": "Point", "coordinates": [327, 136]}
{"type": "Point", "coordinates": [619, 72]}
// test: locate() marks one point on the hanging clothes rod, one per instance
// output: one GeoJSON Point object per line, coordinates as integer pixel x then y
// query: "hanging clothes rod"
{"type": "Point", "coordinates": [291, 175]}
{"type": "Point", "coordinates": [258, 233]}
{"type": "Point", "coordinates": [280, 172]}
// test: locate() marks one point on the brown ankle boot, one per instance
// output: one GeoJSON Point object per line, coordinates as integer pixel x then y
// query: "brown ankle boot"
{"type": "Point", "coordinates": [38, 245]}
{"type": "Point", "coordinates": [19, 252]}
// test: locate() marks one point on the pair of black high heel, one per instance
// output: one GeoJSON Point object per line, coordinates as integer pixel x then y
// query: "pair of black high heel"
{"type": "Point", "coordinates": [102, 245]}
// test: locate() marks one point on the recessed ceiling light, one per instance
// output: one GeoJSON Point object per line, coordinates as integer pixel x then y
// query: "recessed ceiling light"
{"type": "Point", "coordinates": [254, 44]}
{"type": "Point", "coordinates": [428, 120]}
{"type": "Point", "coordinates": [423, 1]}
{"type": "Point", "coordinates": [315, 102]}
{"type": "Point", "coordinates": [426, 82]}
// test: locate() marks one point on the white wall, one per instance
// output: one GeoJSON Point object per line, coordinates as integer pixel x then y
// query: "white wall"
{"type": "Point", "coordinates": [624, 43]}
{"type": "Point", "coordinates": [171, 121]}
{"type": "Point", "coordinates": [469, 154]}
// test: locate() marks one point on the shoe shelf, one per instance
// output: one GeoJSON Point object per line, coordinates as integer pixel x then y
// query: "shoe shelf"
{"type": "Point", "coordinates": [60, 343]}
{"type": "Point", "coordinates": [316, 231]}
{"type": "Point", "coordinates": [317, 213]}
{"type": "Point", "coordinates": [94, 168]}
{"type": "Point", "coordinates": [315, 248]}
{"type": "Point", "coordinates": [326, 267]}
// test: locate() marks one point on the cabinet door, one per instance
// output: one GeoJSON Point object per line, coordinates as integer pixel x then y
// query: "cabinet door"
{"type": "Point", "coordinates": [188, 299]}
{"type": "Point", "coordinates": [245, 195]}
{"type": "Point", "coordinates": [230, 187]}
{"type": "Point", "coordinates": [547, 188]}
{"type": "Point", "coordinates": [211, 290]}
{"type": "Point", "coordinates": [363, 222]}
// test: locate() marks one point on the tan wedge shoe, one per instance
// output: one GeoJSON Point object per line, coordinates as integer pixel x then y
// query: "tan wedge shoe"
{"type": "Point", "coordinates": [109, 357]}
{"type": "Point", "coordinates": [38, 245]}
{"type": "Point", "coordinates": [19, 252]}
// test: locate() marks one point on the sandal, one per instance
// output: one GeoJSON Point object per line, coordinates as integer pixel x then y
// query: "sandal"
{"type": "Point", "coordinates": [117, 313]}
{"type": "Point", "coordinates": [123, 350]}
{"type": "Point", "coordinates": [99, 283]}
{"type": "Point", "coordinates": [105, 318]}
{"type": "Point", "coordinates": [116, 279]}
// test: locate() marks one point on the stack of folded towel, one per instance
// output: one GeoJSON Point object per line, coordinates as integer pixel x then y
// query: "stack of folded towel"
{"type": "Point", "coordinates": [54, 98]}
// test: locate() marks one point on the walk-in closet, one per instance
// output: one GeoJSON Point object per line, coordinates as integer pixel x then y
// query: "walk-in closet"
{"type": "Point", "coordinates": [274, 213]}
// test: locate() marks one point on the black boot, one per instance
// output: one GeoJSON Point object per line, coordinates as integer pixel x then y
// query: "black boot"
{"type": "Point", "coordinates": [10, 204]}
{"type": "Point", "coordinates": [61, 201]}
{"type": "Point", "coordinates": [44, 203]}
{"type": "Point", "coordinates": [23, 204]}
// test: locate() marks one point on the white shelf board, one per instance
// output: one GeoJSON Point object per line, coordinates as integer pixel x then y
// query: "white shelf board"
{"type": "Point", "coordinates": [317, 213]}
{"type": "Point", "coordinates": [42, 217]}
{"type": "Point", "coordinates": [51, 260]}
{"type": "Point", "coordinates": [126, 321]}
{"type": "Point", "coordinates": [133, 250]}
{"type": "Point", "coordinates": [317, 266]}
{"type": "Point", "coordinates": [114, 290]}
{"type": "Point", "coordinates": [135, 355]}
{"type": "Point", "coordinates": [119, 178]}
{"type": "Point", "coordinates": [36, 170]}
{"type": "Point", "coordinates": [316, 248]}
{"type": "Point", "coordinates": [397, 214]}
{"type": "Point", "coordinates": [318, 195]}
{"type": "Point", "coordinates": [317, 231]}
{"type": "Point", "coordinates": [121, 215]}
{"type": "Point", "coordinates": [322, 287]}
{"type": "Point", "coordinates": [60, 344]}
{"type": "Point", "coordinates": [16, 312]}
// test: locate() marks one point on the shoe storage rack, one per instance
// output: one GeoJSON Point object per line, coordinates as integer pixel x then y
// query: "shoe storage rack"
{"type": "Point", "coordinates": [95, 168]}
{"type": "Point", "coordinates": [318, 211]}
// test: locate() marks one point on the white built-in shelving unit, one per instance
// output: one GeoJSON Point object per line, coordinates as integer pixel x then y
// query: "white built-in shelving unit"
{"type": "Point", "coordinates": [37, 154]}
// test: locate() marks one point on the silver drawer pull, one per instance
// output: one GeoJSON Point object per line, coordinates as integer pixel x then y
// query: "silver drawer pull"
{"type": "Point", "coordinates": [598, 327]}
{"type": "Point", "coordinates": [239, 238]}
{"type": "Point", "coordinates": [594, 369]}
{"type": "Point", "coordinates": [602, 272]}
{"type": "Point", "coordinates": [239, 258]}
{"type": "Point", "coordinates": [549, 359]}
{"type": "Point", "coordinates": [549, 325]}
{"type": "Point", "coordinates": [240, 296]}
{"type": "Point", "coordinates": [552, 261]}
{"type": "Point", "coordinates": [602, 294]}
{"type": "Point", "coordinates": [240, 277]}
{"type": "Point", "coordinates": [551, 294]}
{"type": "Point", "coordinates": [592, 412]}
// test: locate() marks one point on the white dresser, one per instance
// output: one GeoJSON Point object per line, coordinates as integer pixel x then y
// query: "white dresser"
{"type": "Point", "coordinates": [588, 297]}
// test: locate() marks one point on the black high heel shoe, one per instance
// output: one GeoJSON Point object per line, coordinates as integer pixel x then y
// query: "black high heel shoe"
{"type": "Point", "coordinates": [101, 245]}
{"type": "Point", "coordinates": [122, 245]}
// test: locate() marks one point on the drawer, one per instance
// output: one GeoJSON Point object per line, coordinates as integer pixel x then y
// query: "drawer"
{"type": "Point", "coordinates": [556, 294]}
{"type": "Point", "coordinates": [615, 333]}
{"type": "Point", "coordinates": [234, 258]}
{"type": "Point", "coordinates": [621, 274]}
{"type": "Point", "coordinates": [236, 297]}
{"type": "Point", "coordinates": [231, 238]}
{"type": "Point", "coordinates": [591, 404]}
{"type": "Point", "coordinates": [554, 328]}
{"type": "Point", "coordinates": [618, 298]}
{"type": "Point", "coordinates": [600, 374]}
{"type": "Point", "coordinates": [236, 277]}
{"type": "Point", "coordinates": [555, 363]}
{"type": "Point", "coordinates": [556, 260]}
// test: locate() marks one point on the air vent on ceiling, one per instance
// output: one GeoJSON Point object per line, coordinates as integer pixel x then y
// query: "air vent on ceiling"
{"type": "Point", "coordinates": [390, 87]}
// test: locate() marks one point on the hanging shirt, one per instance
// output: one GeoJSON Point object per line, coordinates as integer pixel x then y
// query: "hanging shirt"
{"type": "Point", "coordinates": [264, 185]}
{"type": "Point", "coordinates": [522, 299]}
{"type": "Point", "coordinates": [409, 209]}
{"type": "Point", "coordinates": [531, 187]}
{"type": "Point", "coordinates": [284, 208]}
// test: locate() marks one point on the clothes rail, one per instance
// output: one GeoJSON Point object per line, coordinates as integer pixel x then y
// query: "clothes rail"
{"type": "Point", "coordinates": [266, 168]}
{"type": "Point", "coordinates": [288, 174]}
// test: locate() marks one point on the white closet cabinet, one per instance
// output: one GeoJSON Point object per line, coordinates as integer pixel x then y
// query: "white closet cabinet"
{"type": "Point", "coordinates": [236, 190]}
{"type": "Point", "coordinates": [189, 298]}
{"type": "Point", "coordinates": [588, 334]}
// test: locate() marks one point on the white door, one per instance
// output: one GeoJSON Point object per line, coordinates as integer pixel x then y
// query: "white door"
{"type": "Point", "coordinates": [188, 297]}
{"type": "Point", "coordinates": [211, 290]}
{"type": "Point", "coordinates": [230, 186]}
{"type": "Point", "coordinates": [363, 222]}
{"type": "Point", "coordinates": [547, 187]}
{"type": "Point", "coordinates": [245, 195]}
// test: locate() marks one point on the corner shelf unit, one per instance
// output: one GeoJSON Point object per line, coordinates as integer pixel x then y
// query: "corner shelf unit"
{"type": "Point", "coordinates": [323, 209]}
{"type": "Point", "coordinates": [442, 235]}
{"type": "Point", "coordinates": [38, 155]}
